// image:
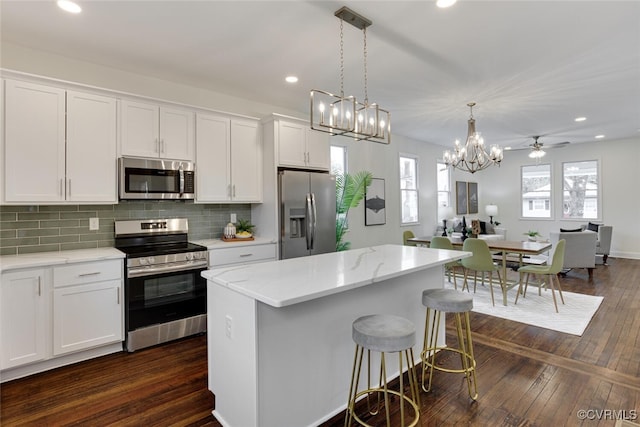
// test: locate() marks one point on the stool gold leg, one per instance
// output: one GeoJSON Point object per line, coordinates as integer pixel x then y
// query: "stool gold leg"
{"type": "Point", "coordinates": [429, 351]}
{"type": "Point", "coordinates": [353, 387]}
{"type": "Point", "coordinates": [466, 353]}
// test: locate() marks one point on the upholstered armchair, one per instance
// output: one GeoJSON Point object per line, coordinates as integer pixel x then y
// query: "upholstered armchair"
{"type": "Point", "coordinates": [580, 249]}
{"type": "Point", "coordinates": [603, 245]}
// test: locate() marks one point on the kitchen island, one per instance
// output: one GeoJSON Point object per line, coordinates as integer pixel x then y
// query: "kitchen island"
{"type": "Point", "coordinates": [279, 333]}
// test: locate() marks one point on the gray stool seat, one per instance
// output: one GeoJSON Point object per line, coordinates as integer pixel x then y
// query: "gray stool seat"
{"type": "Point", "coordinates": [447, 300]}
{"type": "Point", "coordinates": [459, 304]}
{"type": "Point", "coordinates": [384, 332]}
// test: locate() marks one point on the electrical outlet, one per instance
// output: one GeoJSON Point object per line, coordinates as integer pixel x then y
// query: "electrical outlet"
{"type": "Point", "coordinates": [228, 323]}
{"type": "Point", "coordinates": [94, 224]}
{"type": "Point", "coordinates": [233, 218]}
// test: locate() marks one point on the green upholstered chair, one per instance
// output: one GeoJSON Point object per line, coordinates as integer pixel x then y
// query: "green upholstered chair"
{"type": "Point", "coordinates": [440, 242]}
{"type": "Point", "coordinates": [551, 271]}
{"type": "Point", "coordinates": [480, 262]}
{"type": "Point", "coordinates": [406, 236]}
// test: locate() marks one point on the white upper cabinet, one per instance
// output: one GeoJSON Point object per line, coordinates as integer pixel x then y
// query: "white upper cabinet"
{"type": "Point", "coordinates": [150, 130]}
{"type": "Point", "coordinates": [299, 146]}
{"type": "Point", "coordinates": [229, 160]}
{"type": "Point", "coordinates": [50, 159]}
{"type": "Point", "coordinates": [34, 162]}
{"type": "Point", "coordinates": [91, 148]}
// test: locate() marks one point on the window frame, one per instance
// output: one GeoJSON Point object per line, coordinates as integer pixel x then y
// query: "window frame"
{"type": "Point", "coordinates": [416, 178]}
{"type": "Point", "coordinates": [532, 202]}
{"type": "Point", "coordinates": [598, 190]}
{"type": "Point", "coordinates": [440, 164]}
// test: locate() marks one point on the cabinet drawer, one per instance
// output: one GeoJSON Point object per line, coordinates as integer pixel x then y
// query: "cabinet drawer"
{"type": "Point", "coordinates": [242, 255]}
{"type": "Point", "coordinates": [97, 271]}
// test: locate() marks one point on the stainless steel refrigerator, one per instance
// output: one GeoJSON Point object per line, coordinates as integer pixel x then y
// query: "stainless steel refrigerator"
{"type": "Point", "coordinates": [307, 213]}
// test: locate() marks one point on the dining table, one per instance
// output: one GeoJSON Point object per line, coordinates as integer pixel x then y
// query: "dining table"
{"type": "Point", "coordinates": [523, 249]}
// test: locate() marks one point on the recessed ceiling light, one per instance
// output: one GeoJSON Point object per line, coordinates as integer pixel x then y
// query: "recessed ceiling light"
{"type": "Point", "coordinates": [291, 79]}
{"type": "Point", "coordinates": [580, 119]}
{"type": "Point", "coordinates": [507, 148]}
{"type": "Point", "coordinates": [445, 3]}
{"type": "Point", "coordinates": [599, 136]}
{"type": "Point", "coordinates": [69, 6]}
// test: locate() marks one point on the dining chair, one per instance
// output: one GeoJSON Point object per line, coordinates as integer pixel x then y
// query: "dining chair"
{"type": "Point", "coordinates": [408, 234]}
{"type": "Point", "coordinates": [440, 242]}
{"type": "Point", "coordinates": [480, 262]}
{"type": "Point", "coordinates": [551, 271]}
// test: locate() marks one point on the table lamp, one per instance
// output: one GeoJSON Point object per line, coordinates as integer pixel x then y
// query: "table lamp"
{"type": "Point", "coordinates": [445, 213]}
{"type": "Point", "coordinates": [491, 210]}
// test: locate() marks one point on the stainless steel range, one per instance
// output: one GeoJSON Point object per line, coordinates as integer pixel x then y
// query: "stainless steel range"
{"type": "Point", "coordinates": [165, 295]}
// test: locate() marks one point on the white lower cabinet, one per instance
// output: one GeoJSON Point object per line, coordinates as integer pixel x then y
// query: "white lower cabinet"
{"type": "Point", "coordinates": [24, 317]}
{"type": "Point", "coordinates": [52, 316]}
{"type": "Point", "coordinates": [86, 316]}
{"type": "Point", "coordinates": [245, 254]}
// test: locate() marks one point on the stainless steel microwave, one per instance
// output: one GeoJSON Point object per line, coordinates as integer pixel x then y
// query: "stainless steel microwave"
{"type": "Point", "coordinates": [155, 179]}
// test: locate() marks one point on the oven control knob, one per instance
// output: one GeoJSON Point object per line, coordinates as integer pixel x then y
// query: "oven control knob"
{"type": "Point", "coordinates": [151, 260]}
{"type": "Point", "coordinates": [143, 261]}
{"type": "Point", "coordinates": [189, 256]}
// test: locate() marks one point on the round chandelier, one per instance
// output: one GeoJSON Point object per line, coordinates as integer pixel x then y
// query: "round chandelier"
{"type": "Point", "coordinates": [472, 157]}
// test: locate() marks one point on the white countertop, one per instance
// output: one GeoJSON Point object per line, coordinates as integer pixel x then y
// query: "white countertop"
{"type": "Point", "coordinates": [291, 281]}
{"type": "Point", "coordinates": [43, 259]}
{"type": "Point", "coordinates": [220, 244]}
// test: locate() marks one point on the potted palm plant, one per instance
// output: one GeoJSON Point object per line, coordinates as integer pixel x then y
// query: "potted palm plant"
{"type": "Point", "coordinates": [350, 190]}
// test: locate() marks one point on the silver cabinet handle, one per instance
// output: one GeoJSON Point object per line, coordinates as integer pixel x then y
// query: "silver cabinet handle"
{"type": "Point", "coordinates": [69, 188]}
{"type": "Point", "coordinates": [61, 184]}
{"type": "Point", "coordinates": [162, 146]}
{"type": "Point", "coordinates": [118, 295]}
{"type": "Point", "coordinates": [89, 274]}
{"type": "Point", "coordinates": [245, 255]}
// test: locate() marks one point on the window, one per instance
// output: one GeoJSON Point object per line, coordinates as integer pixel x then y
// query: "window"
{"type": "Point", "coordinates": [338, 159]}
{"type": "Point", "coordinates": [408, 190]}
{"type": "Point", "coordinates": [443, 179]}
{"type": "Point", "coordinates": [536, 191]}
{"type": "Point", "coordinates": [580, 190]}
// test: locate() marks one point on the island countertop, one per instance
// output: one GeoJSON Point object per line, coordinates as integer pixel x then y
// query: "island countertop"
{"type": "Point", "coordinates": [291, 281]}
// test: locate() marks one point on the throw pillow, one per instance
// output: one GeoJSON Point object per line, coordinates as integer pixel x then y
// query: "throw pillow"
{"type": "Point", "coordinates": [575, 230]}
{"type": "Point", "coordinates": [489, 228]}
{"type": "Point", "coordinates": [483, 227]}
{"type": "Point", "coordinates": [593, 227]}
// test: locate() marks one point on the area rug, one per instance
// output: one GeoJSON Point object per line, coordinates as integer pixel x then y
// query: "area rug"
{"type": "Point", "coordinates": [573, 317]}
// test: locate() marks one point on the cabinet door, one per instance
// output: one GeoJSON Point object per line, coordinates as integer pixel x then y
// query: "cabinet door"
{"type": "Point", "coordinates": [86, 316]}
{"type": "Point", "coordinates": [176, 134]}
{"type": "Point", "coordinates": [246, 161]}
{"type": "Point", "coordinates": [291, 144]}
{"type": "Point", "coordinates": [140, 129]}
{"type": "Point", "coordinates": [213, 174]}
{"type": "Point", "coordinates": [318, 150]}
{"type": "Point", "coordinates": [23, 318]}
{"type": "Point", "coordinates": [34, 142]}
{"type": "Point", "coordinates": [91, 148]}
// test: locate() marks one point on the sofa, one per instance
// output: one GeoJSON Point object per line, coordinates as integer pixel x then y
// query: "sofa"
{"type": "Point", "coordinates": [580, 249]}
{"type": "Point", "coordinates": [603, 242]}
{"type": "Point", "coordinates": [487, 231]}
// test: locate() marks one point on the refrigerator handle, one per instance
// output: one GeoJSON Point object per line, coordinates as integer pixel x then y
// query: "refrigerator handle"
{"type": "Point", "coordinates": [313, 220]}
{"type": "Point", "coordinates": [308, 218]}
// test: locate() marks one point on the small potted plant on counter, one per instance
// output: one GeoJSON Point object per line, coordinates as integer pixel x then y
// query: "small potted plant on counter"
{"type": "Point", "coordinates": [244, 229]}
{"type": "Point", "coordinates": [532, 235]}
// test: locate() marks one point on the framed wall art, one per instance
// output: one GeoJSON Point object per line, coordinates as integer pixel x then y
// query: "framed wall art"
{"type": "Point", "coordinates": [472, 196]}
{"type": "Point", "coordinates": [461, 198]}
{"type": "Point", "coordinates": [374, 203]}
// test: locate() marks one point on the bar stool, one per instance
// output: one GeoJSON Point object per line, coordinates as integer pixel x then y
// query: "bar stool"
{"type": "Point", "coordinates": [383, 333]}
{"type": "Point", "coordinates": [440, 301]}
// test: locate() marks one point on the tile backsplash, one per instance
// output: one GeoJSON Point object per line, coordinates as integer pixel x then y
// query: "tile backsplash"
{"type": "Point", "coordinates": [43, 228]}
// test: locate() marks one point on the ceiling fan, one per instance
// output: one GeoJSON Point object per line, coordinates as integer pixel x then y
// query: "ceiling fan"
{"type": "Point", "coordinates": [537, 150]}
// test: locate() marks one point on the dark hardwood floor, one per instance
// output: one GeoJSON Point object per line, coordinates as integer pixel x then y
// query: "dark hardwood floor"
{"type": "Point", "coordinates": [527, 376]}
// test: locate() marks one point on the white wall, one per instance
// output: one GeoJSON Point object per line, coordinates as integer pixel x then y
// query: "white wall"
{"type": "Point", "coordinates": [619, 160]}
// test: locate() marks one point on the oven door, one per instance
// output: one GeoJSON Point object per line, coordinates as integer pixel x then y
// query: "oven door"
{"type": "Point", "coordinates": [153, 179]}
{"type": "Point", "coordinates": [164, 297]}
